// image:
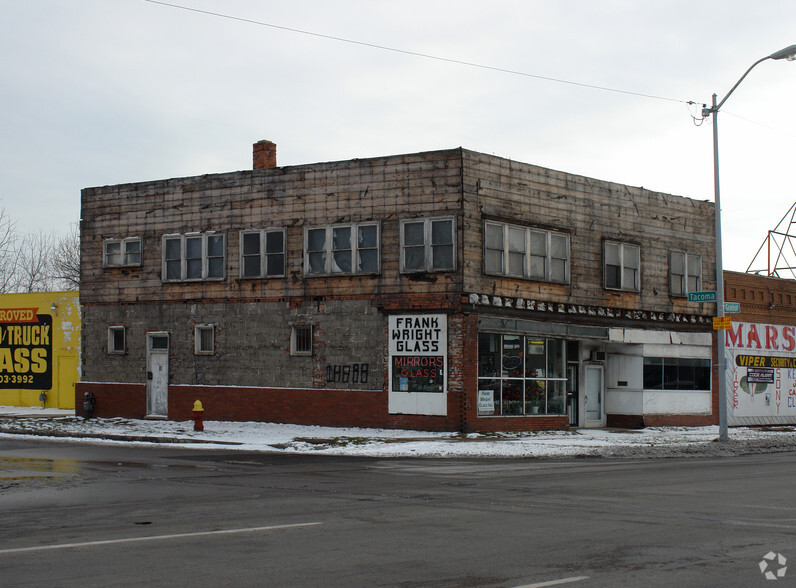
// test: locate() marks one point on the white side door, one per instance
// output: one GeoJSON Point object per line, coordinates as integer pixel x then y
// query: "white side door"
{"type": "Point", "coordinates": [157, 384]}
{"type": "Point", "coordinates": [594, 395]}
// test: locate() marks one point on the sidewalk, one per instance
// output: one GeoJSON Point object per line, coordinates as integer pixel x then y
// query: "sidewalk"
{"type": "Point", "coordinates": [272, 437]}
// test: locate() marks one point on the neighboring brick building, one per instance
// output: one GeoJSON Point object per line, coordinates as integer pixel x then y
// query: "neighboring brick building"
{"type": "Point", "coordinates": [761, 350]}
{"type": "Point", "coordinates": [448, 290]}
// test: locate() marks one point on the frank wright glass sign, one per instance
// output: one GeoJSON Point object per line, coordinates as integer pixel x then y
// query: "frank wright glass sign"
{"type": "Point", "coordinates": [418, 346]}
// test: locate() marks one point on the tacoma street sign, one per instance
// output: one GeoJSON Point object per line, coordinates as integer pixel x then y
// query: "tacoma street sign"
{"type": "Point", "coordinates": [709, 296]}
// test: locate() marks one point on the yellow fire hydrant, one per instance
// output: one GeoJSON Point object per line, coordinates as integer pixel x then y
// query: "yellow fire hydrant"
{"type": "Point", "coordinates": [198, 413]}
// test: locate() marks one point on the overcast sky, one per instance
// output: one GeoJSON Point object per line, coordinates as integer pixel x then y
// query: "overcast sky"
{"type": "Point", "coordinates": [98, 92]}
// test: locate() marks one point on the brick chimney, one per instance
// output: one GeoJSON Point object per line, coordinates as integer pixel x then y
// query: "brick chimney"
{"type": "Point", "coordinates": [264, 155]}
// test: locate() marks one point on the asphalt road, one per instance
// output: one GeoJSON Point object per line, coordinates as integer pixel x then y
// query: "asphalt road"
{"type": "Point", "coordinates": [89, 515]}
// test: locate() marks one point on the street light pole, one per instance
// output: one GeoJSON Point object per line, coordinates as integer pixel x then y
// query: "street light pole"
{"type": "Point", "coordinates": [788, 53]}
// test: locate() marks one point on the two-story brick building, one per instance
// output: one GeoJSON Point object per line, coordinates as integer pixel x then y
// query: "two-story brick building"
{"type": "Point", "coordinates": [447, 290]}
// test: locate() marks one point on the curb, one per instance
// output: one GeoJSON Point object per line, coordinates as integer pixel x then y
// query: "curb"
{"type": "Point", "coordinates": [112, 437]}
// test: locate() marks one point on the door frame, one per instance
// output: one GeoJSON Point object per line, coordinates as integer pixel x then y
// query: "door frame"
{"type": "Point", "coordinates": [587, 422]}
{"type": "Point", "coordinates": [157, 400]}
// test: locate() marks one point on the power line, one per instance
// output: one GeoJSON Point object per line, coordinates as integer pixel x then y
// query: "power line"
{"type": "Point", "coordinates": [417, 54]}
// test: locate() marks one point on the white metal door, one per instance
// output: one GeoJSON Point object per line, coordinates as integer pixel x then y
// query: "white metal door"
{"type": "Point", "coordinates": [593, 395]}
{"type": "Point", "coordinates": [157, 375]}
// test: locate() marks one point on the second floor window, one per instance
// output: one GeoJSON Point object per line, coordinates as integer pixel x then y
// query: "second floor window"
{"type": "Point", "coordinates": [122, 252]}
{"type": "Point", "coordinates": [524, 252]}
{"type": "Point", "coordinates": [193, 256]}
{"type": "Point", "coordinates": [428, 245]}
{"type": "Point", "coordinates": [622, 263]}
{"type": "Point", "coordinates": [342, 249]}
{"type": "Point", "coordinates": [685, 273]}
{"type": "Point", "coordinates": [262, 253]}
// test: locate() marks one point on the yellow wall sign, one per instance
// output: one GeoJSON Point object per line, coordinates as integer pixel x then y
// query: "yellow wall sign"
{"type": "Point", "coordinates": [721, 322]}
{"type": "Point", "coordinates": [39, 349]}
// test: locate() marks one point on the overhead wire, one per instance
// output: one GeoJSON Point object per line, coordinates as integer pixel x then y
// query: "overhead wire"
{"type": "Point", "coordinates": [418, 54]}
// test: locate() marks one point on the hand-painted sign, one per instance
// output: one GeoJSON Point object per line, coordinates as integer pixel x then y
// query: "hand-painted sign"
{"type": "Point", "coordinates": [418, 373]}
{"type": "Point", "coordinates": [417, 334]}
{"type": "Point", "coordinates": [25, 349]}
{"type": "Point", "coordinates": [418, 348]}
{"type": "Point", "coordinates": [761, 373]}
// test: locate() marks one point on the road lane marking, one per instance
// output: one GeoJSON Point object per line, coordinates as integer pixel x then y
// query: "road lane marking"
{"type": "Point", "coordinates": [555, 582]}
{"type": "Point", "coordinates": [154, 538]}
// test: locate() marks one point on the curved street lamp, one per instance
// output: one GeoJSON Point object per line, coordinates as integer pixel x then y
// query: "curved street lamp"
{"type": "Point", "coordinates": [788, 53]}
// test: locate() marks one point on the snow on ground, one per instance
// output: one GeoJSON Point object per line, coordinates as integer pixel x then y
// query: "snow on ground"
{"type": "Point", "coordinates": [258, 436]}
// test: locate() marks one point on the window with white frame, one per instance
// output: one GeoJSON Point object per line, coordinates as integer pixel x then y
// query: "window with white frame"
{"type": "Point", "coordinates": [204, 340]}
{"type": "Point", "coordinates": [301, 340]}
{"type": "Point", "coordinates": [262, 253]}
{"type": "Point", "coordinates": [685, 273]}
{"type": "Point", "coordinates": [193, 256]}
{"type": "Point", "coordinates": [622, 263]}
{"type": "Point", "coordinates": [117, 340]}
{"type": "Point", "coordinates": [524, 252]}
{"type": "Point", "coordinates": [428, 245]}
{"type": "Point", "coordinates": [342, 249]}
{"type": "Point", "coordinates": [121, 252]}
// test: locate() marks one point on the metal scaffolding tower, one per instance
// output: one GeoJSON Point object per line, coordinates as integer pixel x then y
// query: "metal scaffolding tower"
{"type": "Point", "coordinates": [776, 257]}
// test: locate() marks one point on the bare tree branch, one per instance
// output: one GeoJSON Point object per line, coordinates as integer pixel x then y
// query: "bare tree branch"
{"type": "Point", "coordinates": [38, 262]}
{"type": "Point", "coordinates": [35, 251]}
{"type": "Point", "coordinates": [65, 262]}
{"type": "Point", "coordinates": [8, 252]}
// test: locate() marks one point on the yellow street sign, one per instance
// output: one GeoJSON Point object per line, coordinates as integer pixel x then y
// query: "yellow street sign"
{"type": "Point", "coordinates": [721, 322]}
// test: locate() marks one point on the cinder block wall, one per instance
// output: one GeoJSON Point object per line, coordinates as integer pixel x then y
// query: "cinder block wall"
{"type": "Point", "coordinates": [252, 343]}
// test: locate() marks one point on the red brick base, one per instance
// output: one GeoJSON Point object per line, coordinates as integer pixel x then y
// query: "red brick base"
{"type": "Point", "coordinates": [333, 408]}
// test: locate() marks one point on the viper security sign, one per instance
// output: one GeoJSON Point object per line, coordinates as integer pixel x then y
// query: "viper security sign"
{"type": "Point", "coordinates": [25, 349]}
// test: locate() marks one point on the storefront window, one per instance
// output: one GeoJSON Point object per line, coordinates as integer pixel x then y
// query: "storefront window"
{"type": "Point", "coordinates": [556, 360]}
{"type": "Point", "coordinates": [676, 373]}
{"type": "Point", "coordinates": [512, 356]}
{"type": "Point", "coordinates": [488, 355]}
{"type": "Point", "coordinates": [521, 375]}
{"type": "Point", "coordinates": [556, 396]}
{"type": "Point", "coordinates": [534, 361]}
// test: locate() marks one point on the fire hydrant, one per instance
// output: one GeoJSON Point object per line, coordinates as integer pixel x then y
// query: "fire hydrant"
{"type": "Point", "coordinates": [198, 412]}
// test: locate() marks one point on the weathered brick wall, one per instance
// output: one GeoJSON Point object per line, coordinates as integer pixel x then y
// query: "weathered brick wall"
{"type": "Point", "coordinates": [763, 299]}
{"type": "Point", "coordinates": [385, 189]}
{"type": "Point", "coordinates": [113, 400]}
{"type": "Point", "coordinates": [252, 343]}
{"type": "Point", "coordinates": [590, 211]}
{"type": "Point", "coordinates": [252, 365]}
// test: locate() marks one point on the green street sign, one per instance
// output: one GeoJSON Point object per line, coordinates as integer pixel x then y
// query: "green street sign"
{"type": "Point", "coordinates": [709, 296]}
{"type": "Point", "coordinates": [731, 307]}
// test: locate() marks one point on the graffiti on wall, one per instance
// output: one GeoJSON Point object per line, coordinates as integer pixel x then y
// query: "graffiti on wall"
{"type": "Point", "coordinates": [355, 373]}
